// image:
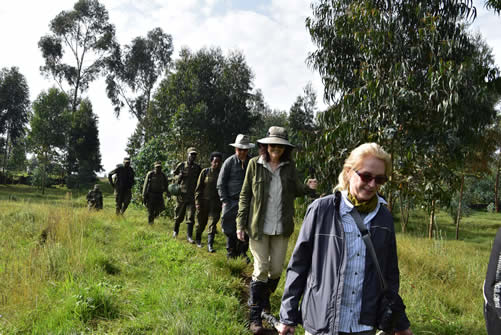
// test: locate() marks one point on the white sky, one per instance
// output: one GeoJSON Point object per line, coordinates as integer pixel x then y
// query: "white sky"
{"type": "Point", "coordinates": [270, 33]}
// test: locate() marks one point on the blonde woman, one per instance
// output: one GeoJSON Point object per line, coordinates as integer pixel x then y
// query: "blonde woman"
{"type": "Point", "coordinates": [330, 268]}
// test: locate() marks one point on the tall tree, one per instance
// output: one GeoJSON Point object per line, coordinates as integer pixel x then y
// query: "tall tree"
{"type": "Point", "coordinates": [203, 101]}
{"type": "Point", "coordinates": [404, 74]}
{"type": "Point", "coordinates": [48, 126]}
{"type": "Point", "coordinates": [85, 32]}
{"type": "Point", "coordinates": [85, 39]}
{"type": "Point", "coordinates": [14, 108]}
{"type": "Point", "coordinates": [84, 139]}
{"type": "Point", "coordinates": [133, 73]}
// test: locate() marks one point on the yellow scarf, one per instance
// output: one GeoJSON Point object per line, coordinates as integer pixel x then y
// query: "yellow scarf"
{"type": "Point", "coordinates": [364, 206]}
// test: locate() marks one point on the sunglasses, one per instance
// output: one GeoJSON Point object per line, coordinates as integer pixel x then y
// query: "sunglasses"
{"type": "Point", "coordinates": [367, 178]}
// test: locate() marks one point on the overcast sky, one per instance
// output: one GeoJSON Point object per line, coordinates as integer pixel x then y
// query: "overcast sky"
{"type": "Point", "coordinates": [271, 34]}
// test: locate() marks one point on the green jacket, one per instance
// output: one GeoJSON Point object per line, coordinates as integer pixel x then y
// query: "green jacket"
{"type": "Point", "coordinates": [254, 198]}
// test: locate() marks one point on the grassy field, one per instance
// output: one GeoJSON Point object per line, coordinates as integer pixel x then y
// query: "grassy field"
{"type": "Point", "coordinates": [65, 270]}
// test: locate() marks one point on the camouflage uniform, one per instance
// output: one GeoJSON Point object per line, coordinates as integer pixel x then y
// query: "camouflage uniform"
{"type": "Point", "coordinates": [209, 205]}
{"type": "Point", "coordinates": [95, 198]}
{"type": "Point", "coordinates": [155, 184]}
{"type": "Point", "coordinates": [122, 185]}
{"type": "Point", "coordinates": [186, 174]}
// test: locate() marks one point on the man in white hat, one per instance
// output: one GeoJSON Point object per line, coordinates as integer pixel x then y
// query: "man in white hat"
{"type": "Point", "coordinates": [229, 185]}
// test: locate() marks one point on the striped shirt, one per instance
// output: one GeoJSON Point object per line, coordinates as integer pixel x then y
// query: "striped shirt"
{"type": "Point", "coordinates": [351, 300]}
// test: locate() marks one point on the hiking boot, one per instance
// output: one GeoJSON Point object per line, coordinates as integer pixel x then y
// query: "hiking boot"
{"type": "Point", "coordinates": [198, 243]}
{"type": "Point", "coordinates": [256, 327]}
{"type": "Point", "coordinates": [174, 234]}
{"type": "Point", "coordinates": [190, 240]}
{"type": "Point", "coordinates": [210, 243]}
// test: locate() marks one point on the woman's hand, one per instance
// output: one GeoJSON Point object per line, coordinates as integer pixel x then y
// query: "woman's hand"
{"type": "Point", "coordinates": [312, 183]}
{"type": "Point", "coordinates": [241, 235]}
{"type": "Point", "coordinates": [285, 329]}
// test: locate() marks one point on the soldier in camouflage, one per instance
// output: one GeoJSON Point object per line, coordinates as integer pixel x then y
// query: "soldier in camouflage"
{"type": "Point", "coordinates": [123, 184]}
{"type": "Point", "coordinates": [207, 201]}
{"type": "Point", "coordinates": [186, 175]}
{"type": "Point", "coordinates": [95, 198]}
{"type": "Point", "coordinates": [155, 184]}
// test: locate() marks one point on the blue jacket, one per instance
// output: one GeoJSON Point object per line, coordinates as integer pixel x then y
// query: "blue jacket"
{"type": "Point", "coordinates": [316, 270]}
{"type": "Point", "coordinates": [231, 177]}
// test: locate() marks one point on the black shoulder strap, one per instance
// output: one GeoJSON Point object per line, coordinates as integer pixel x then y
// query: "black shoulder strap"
{"type": "Point", "coordinates": [366, 236]}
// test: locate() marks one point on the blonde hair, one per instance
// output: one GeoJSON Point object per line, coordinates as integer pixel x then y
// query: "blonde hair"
{"type": "Point", "coordinates": [355, 159]}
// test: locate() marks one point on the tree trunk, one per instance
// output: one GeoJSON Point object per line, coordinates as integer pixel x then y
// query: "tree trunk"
{"type": "Point", "coordinates": [458, 219]}
{"type": "Point", "coordinates": [402, 213]}
{"type": "Point", "coordinates": [432, 219]}
{"type": "Point", "coordinates": [496, 187]}
{"type": "Point", "coordinates": [390, 195]}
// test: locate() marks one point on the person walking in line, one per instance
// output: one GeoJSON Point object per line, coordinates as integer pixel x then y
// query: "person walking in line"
{"type": "Point", "coordinates": [186, 175]}
{"type": "Point", "coordinates": [492, 289]}
{"type": "Point", "coordinates": [266, 212]}
{"type": "Point", "coordinates": [154, 187]}
{"type": "Point", "coordinates": [95, 198]}
{"type": "Point", "coordinates": [124, 180]}
{"type": "Point", "coordinates": [207, 201]}
{"type": "Point", "coordinates": [229, 185]}
{"type": "Point", "coordinates": [331, 274]}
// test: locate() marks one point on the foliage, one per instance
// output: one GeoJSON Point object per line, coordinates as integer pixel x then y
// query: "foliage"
{"type": "Point", "coordinates": [154, 150]}
{"type": "Point", "coordinates": [49, 125]}
{"type": "Point", "coordinates": [87, 34]}
{"type": "Point", "coordinates": [134, 72]}
{"type": "Point", "coordinates": [302, 112]}
{"type": "Point", "coordinates": [494, 5]}
{"type": "Point", "coordinates": [203, 102]}
{"type": "Point", "coordinates": [17, 160]}
{"type": "Point", "coordinates": [14, 109]}
{"type": "Point", "coordinates": [408, 76]}
{"type": "Point", "coordinates": [84, 143]}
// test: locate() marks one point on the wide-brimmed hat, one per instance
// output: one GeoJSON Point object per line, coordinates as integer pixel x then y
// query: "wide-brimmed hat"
{"type": "Point", "coordinates": [157, 163]}
{"type": "Point", "coordinates": [242, 142]}
{"type": "Point", "coordinates": [192, 150]}
{"type": "Point", "coordinates": [276, 135]}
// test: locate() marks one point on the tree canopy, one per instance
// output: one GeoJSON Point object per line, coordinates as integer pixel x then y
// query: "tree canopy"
{"type": "Point", "coordinates": [407, 75]}
{"type": "Point", "coordinates": [14, 108]}
{"type": "Point", "coordinates": [134, 71]}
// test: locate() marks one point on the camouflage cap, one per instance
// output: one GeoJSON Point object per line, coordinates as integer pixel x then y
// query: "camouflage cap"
{"type": "Point", "coordinates": [96, 187]}
{"type": "Point", "coordinates": [192, 150]}
{"type": "Point", "coordinates": [157, 163]}
{"type": "Point", "coordinates": [127, 159]}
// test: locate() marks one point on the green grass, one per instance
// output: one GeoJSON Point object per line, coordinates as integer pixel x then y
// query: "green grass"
{"type": "Point", "coordinates": [65, 270]}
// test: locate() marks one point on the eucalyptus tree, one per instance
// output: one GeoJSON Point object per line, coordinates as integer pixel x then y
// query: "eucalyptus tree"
{"type": "Point", "coordinates": [133, 72]}
{"type": "Point", "coordinates": [402, 73]}
{"type": "Point", "coordinates": [85, 38]}
{"type": "Point", "coordinates": [48, 126]}
{"type": "Point", "coordinates": [14, 109]}
{"type": "Point", "coordinates": [75, 53]}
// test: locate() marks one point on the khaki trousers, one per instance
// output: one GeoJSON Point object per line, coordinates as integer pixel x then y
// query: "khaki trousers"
{"type": "Point", "coordinates": [269, 255]}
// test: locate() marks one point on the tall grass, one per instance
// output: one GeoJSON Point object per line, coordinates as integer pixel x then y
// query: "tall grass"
{"type": "Point", "coordinates": [67, 270]}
